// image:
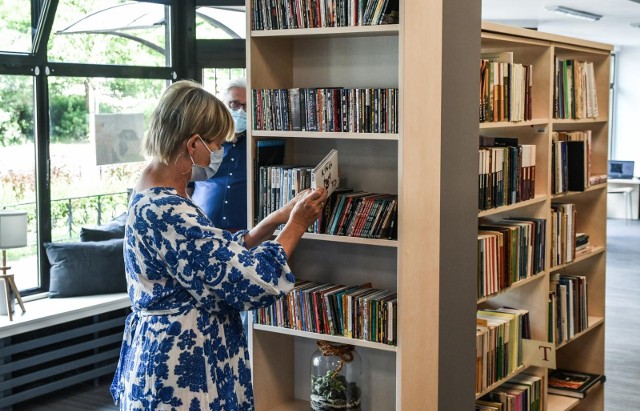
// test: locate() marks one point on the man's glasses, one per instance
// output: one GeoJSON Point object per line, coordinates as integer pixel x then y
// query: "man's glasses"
{"type": "Point", "coordinates": [236, 105]}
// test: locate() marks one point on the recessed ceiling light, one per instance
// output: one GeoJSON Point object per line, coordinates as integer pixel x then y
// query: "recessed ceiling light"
{"type": "Point", "coordinates": [574, 13]}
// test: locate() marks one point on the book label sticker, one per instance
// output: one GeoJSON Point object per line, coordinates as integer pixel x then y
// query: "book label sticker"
{"type": "Point", "coordinates": [539, 353]}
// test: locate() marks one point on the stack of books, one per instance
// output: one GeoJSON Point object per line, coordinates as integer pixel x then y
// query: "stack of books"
{"type": "Point", "coordinates": [583, 246]}
{"type": "Point", "coordinates": [573, 383]}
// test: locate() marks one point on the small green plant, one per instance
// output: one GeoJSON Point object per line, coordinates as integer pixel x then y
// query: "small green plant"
{"type": "Point", "coordinates": [332, 391]}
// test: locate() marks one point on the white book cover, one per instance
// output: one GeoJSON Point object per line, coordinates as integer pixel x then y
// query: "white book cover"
{"type": "Point", "coordinates": [325, 174]}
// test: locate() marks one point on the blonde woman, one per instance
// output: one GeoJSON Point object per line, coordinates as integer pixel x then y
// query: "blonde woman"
{"type": "Point", "coordinates": [184, 346]}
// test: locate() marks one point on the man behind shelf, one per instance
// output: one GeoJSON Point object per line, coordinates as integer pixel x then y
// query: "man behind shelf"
{"type": "Point", "coordinates": [223, 197]}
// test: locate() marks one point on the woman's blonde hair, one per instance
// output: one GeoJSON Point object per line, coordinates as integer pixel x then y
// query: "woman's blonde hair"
{"type": "Point", "coordinates": [185, 109]}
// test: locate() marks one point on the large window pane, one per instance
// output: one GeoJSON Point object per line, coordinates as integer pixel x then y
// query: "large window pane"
{"type": "Point", "coordinates": [215, 79]}
{"type": "Point", "coordinates": [109, 32]}
{"type": "Point", "coordinates": [221, 22]}
{"type": "Point", "coordinates": [17, 171]}
{"type": "Point", "coordinates": [97, 126]}
{"type": "Point", "coordinates": [15, 26]}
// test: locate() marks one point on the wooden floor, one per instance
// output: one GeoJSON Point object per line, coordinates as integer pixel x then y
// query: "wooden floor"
{"type": "Point", "coordinates": [622, 389]}
{"type": "Point", "coordinates": [622, 325]}
{"type": "Point", "coordinates": [83, 397]}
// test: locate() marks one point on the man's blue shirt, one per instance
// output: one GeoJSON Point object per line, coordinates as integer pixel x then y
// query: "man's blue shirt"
{"type": "Point", "coordinates": [223, 197]}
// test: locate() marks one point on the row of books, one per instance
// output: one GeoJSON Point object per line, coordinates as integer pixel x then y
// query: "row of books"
{"type": "Point", "coordinates": [347, 212]}
{"type": "Point", "coordinates": [574, 93]}
{"type": "Point", "coordinates": [509, 250]}
{"type": "Point", "coordinates": [296, 14]}
{"type": "Point", "coordinates": [355, 110]}
{"type": "Point", "coordinates": [563, 233]}
{"type": "Point", "coordinates": [569, 306]}
{"type": "Point", "coordinates": [523, 392]}
{"type": "Point", "coordinates": [363, 214]}
{"type": "Point", "coordinates": [360, 312]}
{"type": "Point", "coordinates": [505, 88]}
{"type": "Point", "coordinates": [506, 173]}
{"type": "Point", "coordinates": [570, 161]}
{"type": "Point", "coordinates": [499, 335]}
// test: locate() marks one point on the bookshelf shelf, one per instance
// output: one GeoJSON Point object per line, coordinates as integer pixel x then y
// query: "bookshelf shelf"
{"type": "Point", "coordinates": [326, 135]}
{"type": "Point", "coordinates": [593, 323]}
{"type": "Point", "coordinates": [499, 210]}
{"type": "Point", "coordinates": [513, 286]}
{"type": "Point", "coordinates": [596, 187]}
{"type": "Point", "coordinates": [502, 381]}
{"type": "Point", "coordinates": [543, 123]}
{"type": "Point", "coordinates": [297, 405]}
{"type": "Point", "coordinates": [333, 338]}
{"type": "Point", "coordinates": [561, 403]}
{"type": "Point", "coordinates": [376, 242]}
{"type": "Point", "coordinates": [582, 121]}
{"type": "Point", "coordinates": [595, 250]}
{"type": "Point", "coordinates": [351, 31]}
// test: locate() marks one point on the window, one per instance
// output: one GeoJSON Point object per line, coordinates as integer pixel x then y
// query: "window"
{"type": "Point", "coordinates": [17, 170]}
{"type": "Point", "coordinates": [215, 79]}
{"type": "Point", "coordinates": [110, 32]}
{"type": "Point", "coordinates": [221, 22]}
{"type": "Point", "coordinates": [70, 163]}
{"type": "Point", "coordinates": [97, 126]}
{"type": "Point", "coordinates": [15, 26]}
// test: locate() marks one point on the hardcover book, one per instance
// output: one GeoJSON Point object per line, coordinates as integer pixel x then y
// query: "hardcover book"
{"type": "Point", "coordinates": [325, 174]}
{"type": "Point", "coordinates": [573, 383]}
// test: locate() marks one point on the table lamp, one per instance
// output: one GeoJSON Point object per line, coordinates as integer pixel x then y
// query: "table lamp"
{"type": "Point", "coordinates": [13, 234]}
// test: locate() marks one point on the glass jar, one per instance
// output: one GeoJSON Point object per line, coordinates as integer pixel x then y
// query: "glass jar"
{"type": "Point", "coordinates": [336, 378]}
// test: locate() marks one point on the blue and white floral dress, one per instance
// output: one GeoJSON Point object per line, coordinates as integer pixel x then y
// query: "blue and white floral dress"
{"type": "Point", "coordinates": [184, 346]}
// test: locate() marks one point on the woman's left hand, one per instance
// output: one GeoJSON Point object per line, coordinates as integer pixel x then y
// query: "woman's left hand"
{"type": "Point", "coordinates": [281, 215]}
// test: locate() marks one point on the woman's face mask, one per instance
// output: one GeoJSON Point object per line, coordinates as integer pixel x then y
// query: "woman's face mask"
{"type": "Point", "coordinates": [201, 173]}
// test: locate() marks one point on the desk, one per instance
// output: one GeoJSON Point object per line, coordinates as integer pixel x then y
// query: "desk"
{"type": "Point", "coordinates": [615, 202]}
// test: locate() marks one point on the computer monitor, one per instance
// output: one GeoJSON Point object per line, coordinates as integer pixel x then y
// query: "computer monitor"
{"type": "Point", "coordinates": [620, 169]}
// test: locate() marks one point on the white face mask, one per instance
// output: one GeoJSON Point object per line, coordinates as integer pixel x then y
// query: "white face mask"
{"type": "Point", "coordinates": [239, 119]}
{"type": "Point", "coordinates": [201, 173]}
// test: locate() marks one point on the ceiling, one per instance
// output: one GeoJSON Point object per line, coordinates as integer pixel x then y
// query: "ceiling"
{"type": "Point", "coordinates": [613, 28]}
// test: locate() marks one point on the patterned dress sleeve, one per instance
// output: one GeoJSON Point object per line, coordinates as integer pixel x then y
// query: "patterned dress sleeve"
{"type": "Point", "coordinates": [212, 264]}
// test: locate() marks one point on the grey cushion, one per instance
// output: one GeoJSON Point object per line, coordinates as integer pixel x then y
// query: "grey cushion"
{"type": "Point", "coordinates": [86, 268]}
{"type": "Point", "coordinates": [112, 229]}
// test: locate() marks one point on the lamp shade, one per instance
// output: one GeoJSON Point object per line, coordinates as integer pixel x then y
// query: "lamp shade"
{"type": "Point", "coordinates": [13, 229]}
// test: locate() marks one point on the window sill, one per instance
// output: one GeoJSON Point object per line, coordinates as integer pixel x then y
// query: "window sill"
{"type": "Point", "coordinates": [45, 312]}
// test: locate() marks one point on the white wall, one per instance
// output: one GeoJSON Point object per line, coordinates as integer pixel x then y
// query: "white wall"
{"type": "Point", "coordinates": [627, 105]}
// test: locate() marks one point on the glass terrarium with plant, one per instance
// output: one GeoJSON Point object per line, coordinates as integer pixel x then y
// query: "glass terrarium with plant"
{"type": "Point", "coordinates": [336, 372]}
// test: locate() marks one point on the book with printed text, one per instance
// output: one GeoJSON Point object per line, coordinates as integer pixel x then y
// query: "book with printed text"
{"type": "Point", "coordinates": [325, 174]}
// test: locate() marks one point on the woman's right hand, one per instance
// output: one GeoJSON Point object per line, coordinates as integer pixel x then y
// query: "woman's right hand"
{"type": "Point", "coordinates": [308, 208]}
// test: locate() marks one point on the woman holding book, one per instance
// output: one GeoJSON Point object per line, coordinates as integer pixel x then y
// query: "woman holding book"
{"type": "Point", "coordinates": [183, 345]}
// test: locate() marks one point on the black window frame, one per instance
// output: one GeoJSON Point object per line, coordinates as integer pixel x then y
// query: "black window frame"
{"type": "Point", "coordinates": [186, 58]}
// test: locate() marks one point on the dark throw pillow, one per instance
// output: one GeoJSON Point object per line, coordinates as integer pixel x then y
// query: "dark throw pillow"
{"type": "Point", "coordinates": [86, 268]}
{"type": "Point", "coordinates": [108, 231]}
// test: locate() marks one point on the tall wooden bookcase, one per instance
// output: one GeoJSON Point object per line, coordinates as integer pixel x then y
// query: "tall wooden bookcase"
{"type": "Point", "coordinates": [584, 352]}
{"type": "Point", "coordinates": [432, 57]}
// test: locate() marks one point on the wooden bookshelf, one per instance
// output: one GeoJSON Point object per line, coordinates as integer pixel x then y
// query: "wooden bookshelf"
{"type": "Point", "coordinates": [431, 57]}
{"type": "Point", "coordinates": [584, 351]}
{"type": "Point", "coordinates": [431, 163]}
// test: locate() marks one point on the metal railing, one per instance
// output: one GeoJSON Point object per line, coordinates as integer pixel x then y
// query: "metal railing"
{"type": "Point", "coordinates": [70, 213]}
